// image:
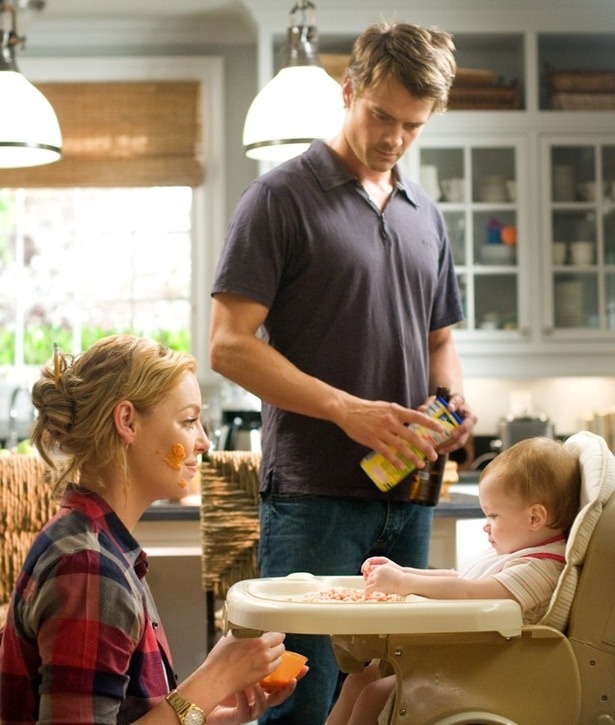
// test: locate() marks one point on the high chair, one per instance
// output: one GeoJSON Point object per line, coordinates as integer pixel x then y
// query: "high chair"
{"type": "Point", "coordinates": [474, 662]}
{"type": "Point", "coordinates": [560, 671]}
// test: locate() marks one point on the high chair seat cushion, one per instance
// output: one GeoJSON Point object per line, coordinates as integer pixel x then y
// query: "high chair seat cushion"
{"type": "Point", "coordinates": [597, 484]}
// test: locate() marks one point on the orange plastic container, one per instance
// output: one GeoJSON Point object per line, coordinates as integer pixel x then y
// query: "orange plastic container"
{"type": "Point", "coordinates": [509, 235]}
{"type": "Point", "coordinates": [292, 664]}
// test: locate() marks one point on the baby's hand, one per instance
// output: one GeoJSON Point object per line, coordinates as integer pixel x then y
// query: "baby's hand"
{"type": "Point", "coordinates": [375, 561]}
{"type": "Point", "coordinates": [385, 578]}
{"type": "Point", "coordinates": [369, 564]}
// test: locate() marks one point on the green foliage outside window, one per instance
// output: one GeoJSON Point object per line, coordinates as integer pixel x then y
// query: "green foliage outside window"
{"type": "Point", "coordinates": [39, 339]}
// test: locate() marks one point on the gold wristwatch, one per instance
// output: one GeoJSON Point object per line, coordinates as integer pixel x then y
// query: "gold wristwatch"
{"type": "Point", "coordinates": [187, 712]}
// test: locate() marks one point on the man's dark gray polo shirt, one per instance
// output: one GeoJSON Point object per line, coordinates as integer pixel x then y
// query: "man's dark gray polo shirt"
{"type": "Point", "coordinates": [352, 295]}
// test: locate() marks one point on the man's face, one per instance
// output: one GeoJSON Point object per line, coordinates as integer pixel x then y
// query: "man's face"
{"type": "Point", "coordinates": [382, 121]}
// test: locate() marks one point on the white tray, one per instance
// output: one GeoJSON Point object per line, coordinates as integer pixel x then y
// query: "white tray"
{"type": "Point", "coordinates": [277, 604]}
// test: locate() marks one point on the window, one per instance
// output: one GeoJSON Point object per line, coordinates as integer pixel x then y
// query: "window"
{"type": "Point", "coordinates": [76, 262]}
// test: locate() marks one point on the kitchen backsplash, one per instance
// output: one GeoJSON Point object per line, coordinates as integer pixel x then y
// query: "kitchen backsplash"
{"type": "Point", "coordinates": [570, 403]}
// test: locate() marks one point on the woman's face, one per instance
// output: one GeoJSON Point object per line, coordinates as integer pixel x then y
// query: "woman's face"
{"type": "Point", "coordinates": [168, 441]}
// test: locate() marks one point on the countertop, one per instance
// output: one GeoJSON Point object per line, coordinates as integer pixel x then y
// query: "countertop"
{"type": "Point", "coordinates": [460, 504]}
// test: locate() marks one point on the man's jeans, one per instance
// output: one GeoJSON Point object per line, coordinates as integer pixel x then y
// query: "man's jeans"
{"type": "Point", "coordinates": [328, 536]}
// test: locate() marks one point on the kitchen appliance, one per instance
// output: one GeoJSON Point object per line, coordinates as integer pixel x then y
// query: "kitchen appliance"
{"type": "Point", "coordinates": [240, 431]}
{"type": "Point", "coordinates": [16, 413]}
{"type": "Point", "coordinates": [513, 429]}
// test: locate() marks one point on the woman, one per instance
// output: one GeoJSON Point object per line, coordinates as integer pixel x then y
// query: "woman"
{"type": "Point", "coordinates": [119, 426]}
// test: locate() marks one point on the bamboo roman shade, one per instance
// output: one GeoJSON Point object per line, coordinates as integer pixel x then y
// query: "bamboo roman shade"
{"type": "Point", "coordinates": [119, 134]}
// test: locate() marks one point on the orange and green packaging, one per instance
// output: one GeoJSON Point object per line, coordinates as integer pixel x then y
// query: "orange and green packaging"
{"type": "Point", "coordinates": [384, 474]}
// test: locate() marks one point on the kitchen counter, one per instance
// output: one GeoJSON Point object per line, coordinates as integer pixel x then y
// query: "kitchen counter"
{"type": "Point", "coordinates": [460, 504]}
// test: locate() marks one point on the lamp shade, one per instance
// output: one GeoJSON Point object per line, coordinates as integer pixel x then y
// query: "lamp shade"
{"type": "Point", "coordinates": [29, 130]}
{"type": "Point", "coordinates": [300, 104]}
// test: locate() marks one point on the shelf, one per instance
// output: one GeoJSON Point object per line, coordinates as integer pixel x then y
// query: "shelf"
{"type": "Point", "coordinates": [576, 71]}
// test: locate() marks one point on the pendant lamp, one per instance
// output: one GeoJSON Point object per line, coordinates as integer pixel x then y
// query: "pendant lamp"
{"type": "Point", "coordinates": [29, 130]}
{"type": "Point", "coordinates": [300, 104]}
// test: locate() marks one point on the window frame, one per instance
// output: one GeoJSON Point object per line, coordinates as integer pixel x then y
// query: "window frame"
{"type": "Point", "coordinates": [208, 209]}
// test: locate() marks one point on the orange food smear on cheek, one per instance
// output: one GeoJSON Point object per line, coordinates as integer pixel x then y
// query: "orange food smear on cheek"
{"type": "Point", "coordinates": [175, 456]}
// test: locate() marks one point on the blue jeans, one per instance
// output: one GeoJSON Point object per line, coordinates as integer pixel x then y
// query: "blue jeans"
{"type": "Point", "coordinates": [328, 537]}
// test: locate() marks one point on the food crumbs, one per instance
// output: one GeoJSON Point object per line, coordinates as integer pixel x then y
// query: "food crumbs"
{"type": "Point", "coordinates": [175, 456]}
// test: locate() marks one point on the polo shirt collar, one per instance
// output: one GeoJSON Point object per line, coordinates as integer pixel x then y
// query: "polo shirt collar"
{"type": "Point", "coordinates": [331, 173]}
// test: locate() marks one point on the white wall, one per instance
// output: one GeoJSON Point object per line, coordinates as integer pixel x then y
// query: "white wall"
{"type": "Point", "coordinates": [566, 401]}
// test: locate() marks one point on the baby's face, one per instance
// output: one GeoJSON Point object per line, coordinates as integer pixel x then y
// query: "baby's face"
{"type": "Point", "coordinates": [509, 520]}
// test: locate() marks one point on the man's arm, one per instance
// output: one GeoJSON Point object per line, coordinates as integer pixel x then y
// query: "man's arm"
{"type": "Point", "coordinates": [238, 354]}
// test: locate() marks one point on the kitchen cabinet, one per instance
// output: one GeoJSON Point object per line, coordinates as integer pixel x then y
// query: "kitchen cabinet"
{"type": "Point", "coordinates": [475, 181]}
{"type": "Point", "coordinates": [544, 176]}
{"type": "Point", "coordinates": [579, 221]}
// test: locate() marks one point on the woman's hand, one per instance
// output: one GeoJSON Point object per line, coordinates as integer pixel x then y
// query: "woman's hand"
{"type": "Point", "coordinates": [238, 663]}
{"type": "Point", "coordinates": [235, 665]}
{"type": "Point", "coordinates": [249, 704]}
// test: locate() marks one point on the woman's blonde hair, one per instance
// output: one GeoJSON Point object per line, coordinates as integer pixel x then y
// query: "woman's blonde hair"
{"type": "Point", "coordinates": [542, 470]}
{"type": "Point", "coordinates": [76, 395]}
{"type": "Point", "coordinates": [420, 59]}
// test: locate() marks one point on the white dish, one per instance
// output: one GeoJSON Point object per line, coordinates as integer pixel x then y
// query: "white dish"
{"type": "Point", "coordinates": [582, 253]}
{"type": "Point", "coordinates": [498, 254]}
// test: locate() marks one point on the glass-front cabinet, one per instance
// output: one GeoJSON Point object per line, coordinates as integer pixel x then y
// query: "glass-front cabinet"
{"type": "Point", "coordinates": [579, 221]}
{"type": "Point", "coordinates": [476, 184]}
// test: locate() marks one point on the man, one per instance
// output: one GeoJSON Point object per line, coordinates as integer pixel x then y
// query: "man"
{"type": "Point", "coordinates": [333, 302]}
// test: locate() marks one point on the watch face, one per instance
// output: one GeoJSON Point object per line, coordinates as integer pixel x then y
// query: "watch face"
{"type": "Point", "coordinates": [194, 717]}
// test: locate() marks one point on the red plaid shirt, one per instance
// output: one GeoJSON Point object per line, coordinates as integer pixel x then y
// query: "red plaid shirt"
{"type": "Point", "coordinates": [82, 641]}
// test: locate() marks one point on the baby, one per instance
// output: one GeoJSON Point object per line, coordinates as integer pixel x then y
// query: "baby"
{"type": "Point", "coordinates": [530, 496]}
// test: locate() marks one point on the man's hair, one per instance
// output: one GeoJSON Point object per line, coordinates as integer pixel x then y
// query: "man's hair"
{"type": "Point", "coordinates": [420, 59]}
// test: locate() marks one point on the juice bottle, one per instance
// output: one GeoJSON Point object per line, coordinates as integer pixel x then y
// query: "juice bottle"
{"type": "Point", "coordinates": [426, 483]}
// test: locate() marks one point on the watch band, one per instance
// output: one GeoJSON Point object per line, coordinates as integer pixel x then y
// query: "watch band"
{"type": "Point", "coordinates": [187, 712]}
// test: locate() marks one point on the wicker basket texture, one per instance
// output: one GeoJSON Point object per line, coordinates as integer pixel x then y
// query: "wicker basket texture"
{"type": "Point", "coordinates": [26, 503]}
{"type": "Point", "coordinates": [229, 519]}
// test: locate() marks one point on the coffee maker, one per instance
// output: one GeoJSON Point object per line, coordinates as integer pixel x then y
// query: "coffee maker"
{"type": "Point", "coordinates": [240, 430]}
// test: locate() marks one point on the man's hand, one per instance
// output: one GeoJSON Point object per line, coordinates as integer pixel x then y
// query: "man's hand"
{"type": "Point", "coordinates": [460, 435]}
{"type": "Point", "coordinates": [387, 428]}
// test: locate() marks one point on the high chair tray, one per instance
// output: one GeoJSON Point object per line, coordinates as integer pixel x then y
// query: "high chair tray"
{"type": "Point", "coordinates": [282, 604]}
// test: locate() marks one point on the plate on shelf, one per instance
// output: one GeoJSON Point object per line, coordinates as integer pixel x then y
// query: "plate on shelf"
{"type": "Point", "coordinates": [498, 254]}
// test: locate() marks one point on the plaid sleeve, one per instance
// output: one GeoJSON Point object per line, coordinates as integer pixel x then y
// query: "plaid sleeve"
{"type": "Point", "coordinates": [89, 623]}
